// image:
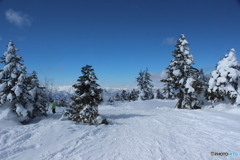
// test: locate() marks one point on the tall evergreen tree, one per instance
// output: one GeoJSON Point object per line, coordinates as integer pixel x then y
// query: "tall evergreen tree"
{"type": "Point", "coordinates": [38, 94]}
{"type": "Point", "coordinates": [223, 84]}
{"type": "Point", "coordinates": [148, 85]}
{"type": "Point", "coordinates": [84, 106]}
{"type": "Point", "coordinates": [145, 85]}
{"type": "Point", "coordinates": [183, 79]}
{"type": "Point", "coordinates": [14, 85]}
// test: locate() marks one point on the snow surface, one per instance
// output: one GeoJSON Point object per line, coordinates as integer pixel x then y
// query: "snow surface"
{"type": "Point", "coordinates": [140, 130]}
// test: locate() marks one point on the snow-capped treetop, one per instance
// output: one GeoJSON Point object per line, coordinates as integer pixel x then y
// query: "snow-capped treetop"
{"type": "Point", "coordinates": [11, 47]}
{"type": "Point", "coordinates": [229, 60]}
{"type": "Point", "coordinates": [88, 86]}
{"type": "Point", "coordinates": [227, 66]}
{"type": "Point", "coordinates": [183, 40]}
{"type": "Point", "coordinates": [87, 70]}
{"type": "Point", "coordinates": [182, 36]}
{"type": "Point", "coordinates": [181, 53]}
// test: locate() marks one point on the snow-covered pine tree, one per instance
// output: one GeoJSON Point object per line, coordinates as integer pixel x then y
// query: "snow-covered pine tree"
{"type": "Point", "coordinates": [133, 95]}
{"type": "Point", "coordinates": [110, 101]}
{"type": "Point", "coordinates": [168, 90]}
{"type": "Point", "coordinates": [84, 106]}
{"type": "Point", "coordinates": [145, 86]}
{"type": "Point", "coordinates": [223, 84]}
{"type": "Point", "coordinates": [148, 85]}
{"type": "Point", "coordinates": [182, 79]}
{"type": "Point", "coordinates": [14, 85]}
{"type": "Point", "coordinates": [124, 95]}
{"type": "Point", "coordinates": [38, 94]}
{"type": "Point", "coordinates": [159, 94]}
{"type": "Point", "coordinates": [117, 97]}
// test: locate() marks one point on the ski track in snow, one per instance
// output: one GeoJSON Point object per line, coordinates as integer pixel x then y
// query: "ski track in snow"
{"type": "Point", "coordinates": [150, 130]}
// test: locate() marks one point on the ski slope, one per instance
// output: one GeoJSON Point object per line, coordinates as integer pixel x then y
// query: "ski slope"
{"type": "Point", "coordinates": [141, 130]}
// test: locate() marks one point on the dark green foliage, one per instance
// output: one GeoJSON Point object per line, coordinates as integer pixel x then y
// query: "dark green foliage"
{"type": "Point", "coordinates": [125, 95]}
{"type": "Point", "coordinates": [183, 80]}
{"type": "Point", "coordinates": [145, 86]}
{"type": "Point", "coordinates": [160, 95]}
{"type": "Point", "coordinates": [84, 106]}
{"type": "Point", "coordinates": [38, 94]}
{"type": "Point", "coordinates": [16, 86]}
{"type": "Point", "coordinates": [194, 91]}
{"type": "Point", "coordinates": [117, 97]}
{"type": "Point", "coordinates": [134, 95]}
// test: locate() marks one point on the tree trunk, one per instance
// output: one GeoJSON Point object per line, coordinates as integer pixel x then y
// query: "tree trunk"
{"type": "Point", "coordinates": [180, 100]}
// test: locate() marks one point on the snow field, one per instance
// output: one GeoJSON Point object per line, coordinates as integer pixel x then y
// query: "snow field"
{"type": "Point", "coordinates": [140, 130]}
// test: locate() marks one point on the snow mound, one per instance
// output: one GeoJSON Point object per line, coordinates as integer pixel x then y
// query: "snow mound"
{"type": "Point", "coordinates": [7, 117]}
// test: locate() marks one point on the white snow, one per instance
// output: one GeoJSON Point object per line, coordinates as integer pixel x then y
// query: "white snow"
{"type": "Point", "coordinates": [7, 67]}
{"type": "Point", "coordinates": [21, 110]}
{"type": "Point", "coordinates": [140, 130]}
{"type": "Point", "coordinates": [9, 57]}
{"type": "Point", "coordinates": [87, 82]}
{"type": "Point", "coordinates": [83, 95]}
{"type": "Point", "coordinates": [33, 92]}
{"type": "Point", "coordinates": [9, 97]}
{"type": "Point", "coordinates": [13, 75]}
{"type": "Point", "coordinates": [3, 86]}
{"type": "Point", "coordinates": [189, 61]}
{"type": "Point", "coordinates": [184, 42]}
{"type": "Point", "coordinates": [189, 85]}
{"type": "Point", "coordinates": [17, 90]}
{"type": "Point", "coordinates": [177, 72]}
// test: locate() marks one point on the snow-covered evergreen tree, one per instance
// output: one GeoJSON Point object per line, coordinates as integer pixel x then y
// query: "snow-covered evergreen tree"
{"type": "Point", "coordinates": [134, 95]}
{"type": "Point", "coordinates": [148, 85]}
{"type": "Point", "coordinates": [124, 95]}
{"type": "Point", "coordinates": [159, 95]}
{"type": "Point", "coordinates": [14, 84]}
{"type": "Point", "coordinates": [145, 85]}
{"type": "Point", "coordinates": [38, 94]}
{"type": "Point", "coordinates": [183, 79]}
{"type": "Point", "coordinates": [110, 101]}
{"type": "Point", "coordinates": [223, 84]}
{"type": "Point", "coordinates": [84, 107]}
{"type": "Point", "coordinates": [168, 90]}
{"type": "Point", "coordinates": [117, 97]}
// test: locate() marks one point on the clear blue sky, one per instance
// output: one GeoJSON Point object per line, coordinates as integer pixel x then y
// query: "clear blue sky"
{"type": "Point", "coordinates": [117, 37]}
